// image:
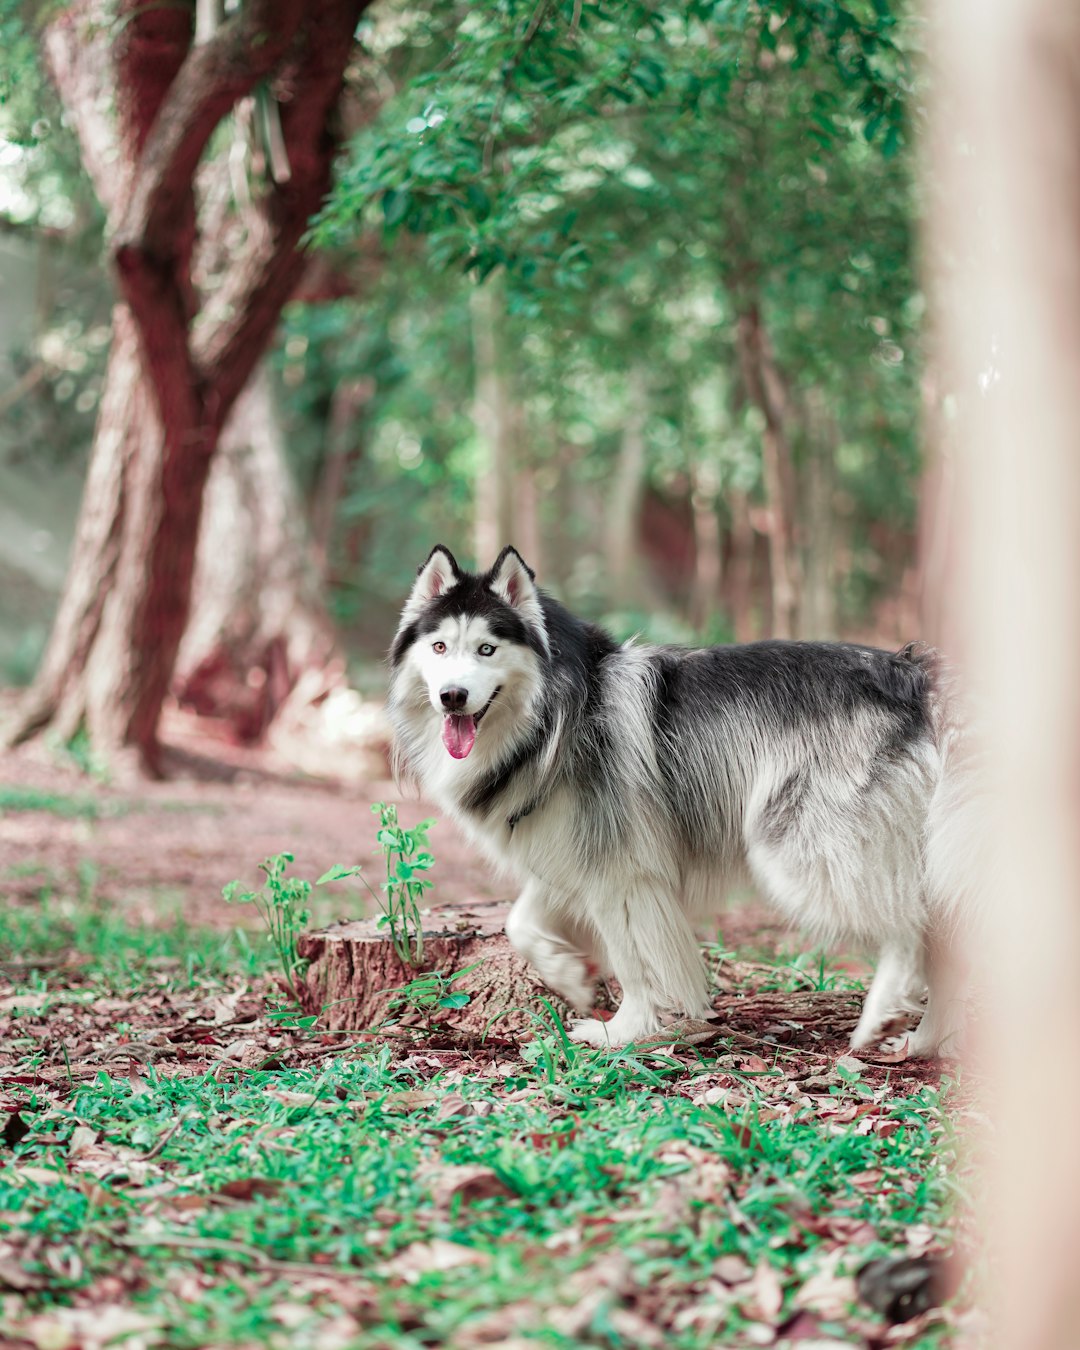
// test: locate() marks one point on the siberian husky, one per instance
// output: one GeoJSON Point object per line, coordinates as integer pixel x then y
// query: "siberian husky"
{"type": "Point", "coordinates": [626, 786]}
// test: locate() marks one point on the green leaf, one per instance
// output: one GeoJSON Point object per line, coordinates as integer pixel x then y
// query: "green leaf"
{"type": "Point", "coordinates": [338, 873]}
{"type": "Point", "coordinates": [395, 205]}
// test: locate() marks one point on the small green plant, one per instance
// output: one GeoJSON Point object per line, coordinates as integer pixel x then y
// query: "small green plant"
{"type": "Point", "coordinates": [407, 859]}
{"type": "Point", "coordinates": [432, 990]}
{"type": "Point", "coordinates": [282, 904]}
{"type": "Point", "coordinates": [57, 804]}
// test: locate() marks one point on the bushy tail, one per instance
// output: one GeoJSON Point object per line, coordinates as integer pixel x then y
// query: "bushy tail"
{"type": "Point", "coordinates": [955, 825]}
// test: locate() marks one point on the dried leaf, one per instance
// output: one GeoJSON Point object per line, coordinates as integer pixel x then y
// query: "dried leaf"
{"type": "Point", "coordinates": [732, 1269]}
{"type": "Point", "coordinates": [404, 1103]}
{"type": "Point", "coordinates": [25, 1002]}
{"type": "Point", "coordinates": [15, 1130]}
{"type": "Point", "coordinates": [763, 1294]}
{"type": "Point", "coordinates": [454, 1104]}
{"type": "Point", "coordinates": [465, 1182]}
{"type": "Point", "coordinates": [919, 1237]}
{"type": "Point", "coordinates": [247, 1188]}
{"type": "Point", "coordinates": [288, 1097]}
{"type": "Point", "coordinates": [83, 1139]}
{"type": "Point", "coordinates": [14, 1275]}
{"type": "Point", "coordinates": [421, 1257]}
{"type": "Point", "coordinates": [826, 1293]}
{"type": "Point", "coordinates": [44, 1176]}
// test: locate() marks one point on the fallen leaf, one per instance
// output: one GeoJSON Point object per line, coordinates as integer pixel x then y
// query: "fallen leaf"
{"type": "Point", "coordinates": [826, 1293]}
{"type": "Point", "coordinates": [763, 1293]}
{"type": "Point", "coordinates": [454, 1104]}
{"type": "Point", "coordinates": [732, 1269]}
{"type": "Point", "coordinates": [44, 1176]}
{"type": "Point", "coordinates": [419, 1258]}
{"type": "Point", "coordinates": [919, 1237]}
{"type": "Point", "coordinates": [465, 1182]}
{"type": "Point", "coordinates": [247, 1188]}
{"type": "Point", "coordinates": [288, 1097]}
{"type": "Point", "coordinates": [25, 1002]}
{"type": "Point", "coordinates": [14, 1275]}
{"type": "Point", "coordinates": [83, 1139]}
{"type": "Point", "coordinates": [403, 1103]}
{"type": "Point", "coordinates": [15, 1130]}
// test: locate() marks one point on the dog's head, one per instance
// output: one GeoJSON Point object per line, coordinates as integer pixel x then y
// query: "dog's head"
{"type": "Point", "coordinates": [470, 645]}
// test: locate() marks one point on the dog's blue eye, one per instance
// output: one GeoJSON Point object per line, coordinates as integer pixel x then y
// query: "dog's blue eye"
{"type": "Point", "coordinates": [439, 647]}
{"type": "Point", "coordinates": [486, 649]}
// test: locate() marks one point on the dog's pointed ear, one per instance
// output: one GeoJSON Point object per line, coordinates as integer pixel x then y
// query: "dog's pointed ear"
{"type": "Point", "coordinates": [436, 576]}
{"type": "Point", "coordinates": [514, 582]}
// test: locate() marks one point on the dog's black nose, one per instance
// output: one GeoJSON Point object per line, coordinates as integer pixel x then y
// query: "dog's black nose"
{"type": "Point", "coordinates": [453, 698]}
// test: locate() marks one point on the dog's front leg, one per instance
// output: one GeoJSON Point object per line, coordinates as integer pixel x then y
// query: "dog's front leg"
{"type": "Point", "coordinates": [897, 986]}
{"type": "Point", "coordinates": [653, 953]}
{"type": "Point", "coordinates": [559, 949]}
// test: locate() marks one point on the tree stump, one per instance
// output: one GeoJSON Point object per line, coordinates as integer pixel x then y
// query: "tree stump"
{"type": "Point", "coordinates": [354, 975]}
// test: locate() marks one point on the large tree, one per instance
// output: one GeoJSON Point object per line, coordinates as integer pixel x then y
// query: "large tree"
{"type": "Point", "coordinates": [182, 353]}
{"type": "Point", "coordinates": [717, 194]}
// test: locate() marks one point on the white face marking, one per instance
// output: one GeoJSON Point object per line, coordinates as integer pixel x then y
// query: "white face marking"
{"type": "Point", "coordinates": [464, 654]}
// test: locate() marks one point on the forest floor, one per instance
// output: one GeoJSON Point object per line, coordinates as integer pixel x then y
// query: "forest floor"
{"type": "Point", "coordinates": [185, 1161]}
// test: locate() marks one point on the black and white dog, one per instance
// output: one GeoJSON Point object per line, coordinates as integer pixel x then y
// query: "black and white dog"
{"type": "Point", "coordinates": [627, 786]}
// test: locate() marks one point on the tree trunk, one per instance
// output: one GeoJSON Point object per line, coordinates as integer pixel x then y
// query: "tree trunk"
{"type": "Point", "coordinates": [817, 617]}
{"type": "Point", "coordinates": [741, 570]}
{"type": "Point", "coordinates": [258, 623]}
{"type": "Point", "coordinates": [1006, 242]}
{"type": "Point", "coordinates": [708, 557]}
{"type": "Point", "coordinates": [529, 541]}
{"type": "Point", "coordinates": [344, 450]}
{"type": "Point", "coordinates": [623, 513]}
{"type": "Point", "coordinates": [171, 381]}
{"type": "Point", "coordinates": [354, 975]}
{"type": "Point", "coordinates": [88, 676]}
{"type": "Point", "coordinates": [495, 522]}
{"type": "Point", "coordinates": [766, 391]}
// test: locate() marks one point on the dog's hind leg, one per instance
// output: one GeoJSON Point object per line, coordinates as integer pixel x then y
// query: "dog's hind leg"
{"type": "Point", "coordinates": [559, 949]}
{"type": "Point", "coordinates": [941, 1030]}
{"type": "Point", "coordinates": [897, 986]}
{"type": "Point", "coordinates": [653, 953]}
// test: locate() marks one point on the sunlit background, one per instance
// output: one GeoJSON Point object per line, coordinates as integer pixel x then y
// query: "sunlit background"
{"type": "Point", "coordinates": [647, 308]}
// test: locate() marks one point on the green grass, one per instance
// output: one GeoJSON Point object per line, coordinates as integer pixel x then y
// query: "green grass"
{"type": "Point", "coordinates": [344, 1183]}
{"type": "Point", "coordinates": [56, 803]}
{"type": "Point", "coordinates": [116, 955]}
{"type": "Point", "coordinates": [75, 806]}
{"type": "Point", "coordinates": [296, 1205]}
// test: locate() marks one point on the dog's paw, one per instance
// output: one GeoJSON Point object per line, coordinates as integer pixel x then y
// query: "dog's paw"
{"type": "Point", "coordinates": [873, 1030]}
{"type": "Point", "coordinates": [619, 1031]}
{"type": "Point", "coordinates": [591, 1031]}
{"type": "Point", "coordinates": [569, 976]}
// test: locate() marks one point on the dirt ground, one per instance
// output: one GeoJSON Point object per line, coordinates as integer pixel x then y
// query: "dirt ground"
{"type": "Point", "coordinates": [224, 808]}
{"type": "Point", "coordinates": [198, 1124]}
{"type": "Point", "coordinates": [221, 810]}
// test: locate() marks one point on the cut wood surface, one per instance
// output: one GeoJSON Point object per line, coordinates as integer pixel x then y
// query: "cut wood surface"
{"type": "Point", "coordinates": [355, 974]}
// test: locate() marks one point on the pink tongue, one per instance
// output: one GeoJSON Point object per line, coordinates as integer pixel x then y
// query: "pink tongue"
{"type": "Point", "coordinates": [458, 734]}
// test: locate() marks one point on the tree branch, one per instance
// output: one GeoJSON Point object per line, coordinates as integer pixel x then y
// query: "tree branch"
{"type": "Point", "coordinates": [243, 51]}
{"type": "Point", "coordinates": [175, 96]}
{"type": "Point", "coordinates": [77, 56]}
{"type": "Point", "coordinates": [250, 301]}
